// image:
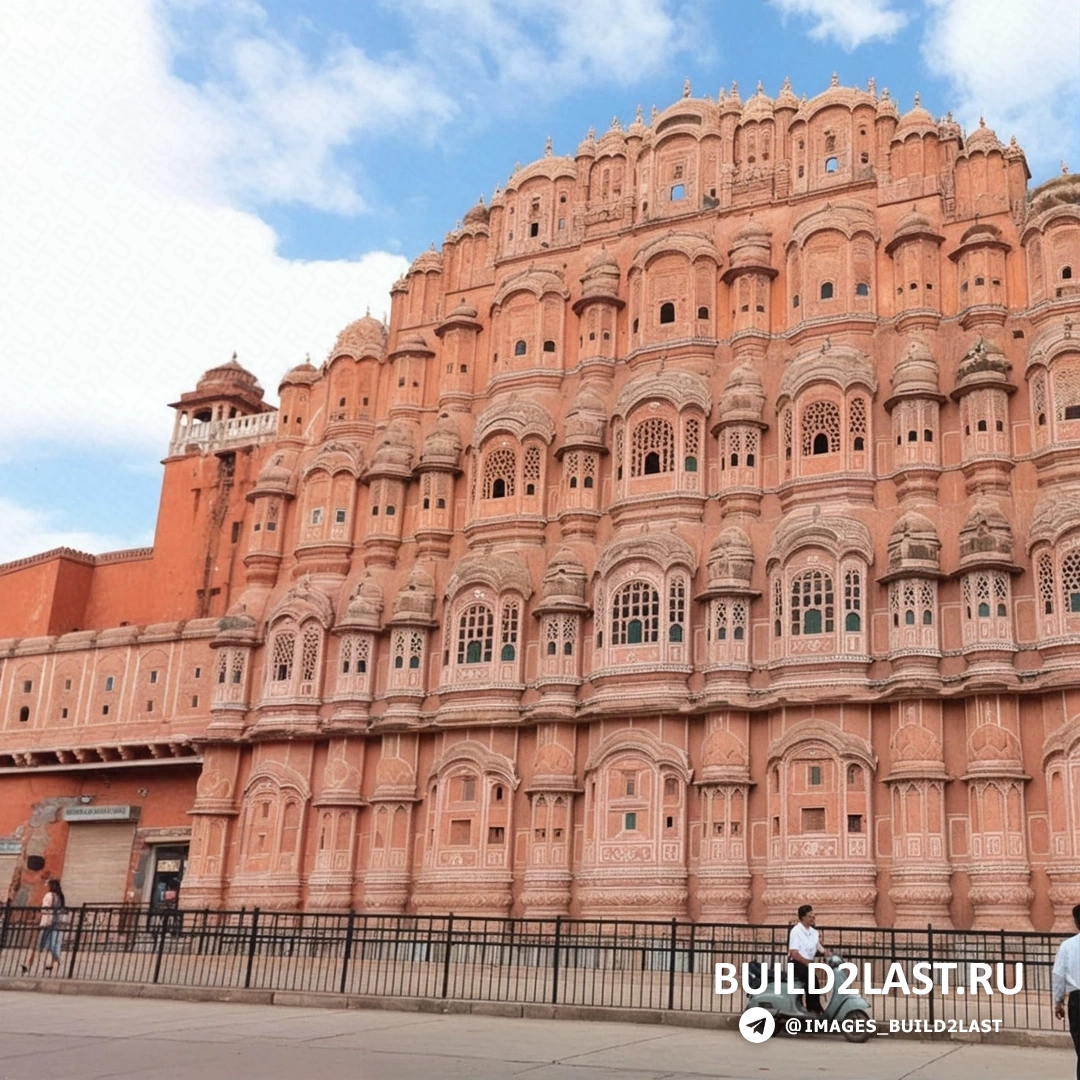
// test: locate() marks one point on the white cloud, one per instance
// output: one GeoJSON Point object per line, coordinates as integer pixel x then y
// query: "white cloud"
{"type": "Point", "coordinates": [125, 270]}
{"type": "Point", "coordinates": [511, 49]}
{"type": "Point", "coordinates": [1017, 64]}
{"type": "Point", "coordinates": [850, 23]}
{"type": "Point", "coordinates": [27, 532]}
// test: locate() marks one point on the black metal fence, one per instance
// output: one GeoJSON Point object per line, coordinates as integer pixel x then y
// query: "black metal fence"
{"type": "Point", "coordinates": [587, 962]}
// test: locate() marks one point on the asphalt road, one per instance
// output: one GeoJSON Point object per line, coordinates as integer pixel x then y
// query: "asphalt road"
{"type": "Point", "coordinates": [62, 1037]}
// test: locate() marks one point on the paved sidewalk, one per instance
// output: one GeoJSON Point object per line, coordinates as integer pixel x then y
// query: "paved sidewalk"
{"type": "Point", "coordinates": [62, 1037]}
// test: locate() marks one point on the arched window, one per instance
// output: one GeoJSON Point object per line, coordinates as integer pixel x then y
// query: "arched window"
{"type": "Point", "coordinates": [1066, 273]}
{"type": "Point", "coordinates": [831, 165]}
{"type": "Point", "coordinates": [852, 601]}
{"type": "Point", "coordinates": [676, 608]}
{"type": "Point", "coordinates": [821, 428]}
{"type": "Point", "coordinates": [862, 289]}
{"type": "Point", "coordinates": [509, 631]}
{"type": "Point", "coordinates": [1070, 582]}
{"type": "Point", "coordinates": [653, 447]}
{"type": "Point", "coordinates": [476, 631]}
{"type": "Point", "coordinates": [519, 348]}
{"type": "Point", "coordinates": [499, 470]}
{"type": "Point", "coordinates": [281, 656]}
{"type": "Point", "coordinates": [531, 470]}
{"type": "Point", "coordinates": [667, 313]}
{"type": "Point", "coordinates": [826, 290]}
{"type": "Point", "coordinates": [635, 615]}
{"type": "Point", "coordinates": [812, 603]}
{"type": "Point", "coordinates": [549, 346]}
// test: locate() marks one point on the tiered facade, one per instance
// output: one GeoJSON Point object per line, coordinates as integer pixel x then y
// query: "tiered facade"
{"type": "Point", "coordinates": [700, 538]}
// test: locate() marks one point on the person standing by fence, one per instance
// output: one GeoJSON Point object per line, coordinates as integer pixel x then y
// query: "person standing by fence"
{"type": "Point", "coordinates": [1065, 985]}
{"type": "Point", "coordinates": [50, 928]}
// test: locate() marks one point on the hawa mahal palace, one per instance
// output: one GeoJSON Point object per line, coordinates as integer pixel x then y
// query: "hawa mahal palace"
{"type": "Point", "coordinates": [701, 537]}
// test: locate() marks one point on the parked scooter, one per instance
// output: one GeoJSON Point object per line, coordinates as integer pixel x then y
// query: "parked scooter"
{"type": "Point", "coordinates": [783, 1005]}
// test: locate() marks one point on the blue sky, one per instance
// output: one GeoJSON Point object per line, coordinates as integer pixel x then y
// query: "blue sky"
{"type": "Point", "coordinates": [182, 178]}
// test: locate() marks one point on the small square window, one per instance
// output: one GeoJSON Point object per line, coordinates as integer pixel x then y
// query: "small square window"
{"type": "Point", "coordinates": [339, 516]}
{"type": "Point", "coordinates": [27, 686]}
{"type": "Point", "coordinates": [854, 823]}
{"type": "Point", "coordinates": [496, 834]}
{"type": "Point", "coordinates": [630, 822]}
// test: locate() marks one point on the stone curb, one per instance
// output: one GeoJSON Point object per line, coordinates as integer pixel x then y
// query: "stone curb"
{"type": "Point", "coordinates": [449, 1007]}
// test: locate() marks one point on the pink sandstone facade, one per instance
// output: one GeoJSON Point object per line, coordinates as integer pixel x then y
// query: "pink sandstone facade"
{"type": "Point", "coordinates": [701, 537]}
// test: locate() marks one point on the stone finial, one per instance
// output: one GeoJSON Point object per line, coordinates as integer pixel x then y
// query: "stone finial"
{"type": "Point", "coordinates": [835, 81]}
{"type": "Point", "coordinates": [1064, 172]}
{"type": "Point", "coordinates": [885, 94]}
{"type": "Point", "coordinates": [871, 86]}
{"type": "Point", "coordinates": [591, 134]}
{"type": "Point", "coordinates": [918, 99]}
{"type": "Point", "coordinates": [760, 88]}
{"type": "Point", "coordinates": [615, 125]}
{"type": "Point", "coordinates": [654, 114]}
{"type": "Point", "coordinates": [686, 88]}
{"type": "Point", "coordinates": [787, 85]}
{"type": "Point", "coordinates": [637, 116]}
{"type": "Point", "coordinates": [547, 147]}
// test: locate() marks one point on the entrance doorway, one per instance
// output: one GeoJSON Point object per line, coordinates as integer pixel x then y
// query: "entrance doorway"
{"type": "Point", "coordinates": [169, 863]}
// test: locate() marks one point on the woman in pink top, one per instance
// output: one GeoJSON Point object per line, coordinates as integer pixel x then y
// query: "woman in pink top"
{"type": "Point", "coordinates": [49, 927]}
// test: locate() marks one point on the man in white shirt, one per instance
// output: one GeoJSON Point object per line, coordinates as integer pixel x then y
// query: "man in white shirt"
{"type": "Point", "coordinates": [804, 946]}
{"type": "Point", "coordinates": [1065, 985]}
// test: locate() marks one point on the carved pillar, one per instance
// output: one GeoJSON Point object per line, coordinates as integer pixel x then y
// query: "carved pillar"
{"type": "Point", "coordinates": [551, 794]}
{"type": "Point", "coordinates": [723, 872]}
{"type": "Point", "coordinates": [1000, 871]}
{"type": "Point", "coordinates": [212, 815]}
{"type": "Point", "coordinates": [388, 876]}
{"type": "Point", "coordinates": [920, 878]}
{"type": "Point", "coordinates": [1061, 764]}
{"type": "Point", "coordinates": [336, 808]}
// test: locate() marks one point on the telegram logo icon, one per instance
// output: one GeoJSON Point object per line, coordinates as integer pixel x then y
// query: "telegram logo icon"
{"type": "Point", "coordinates": [757, 1024]}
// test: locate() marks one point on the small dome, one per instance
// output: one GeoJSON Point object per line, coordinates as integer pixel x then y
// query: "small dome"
{"type": "Point", "coordinates": [364, 337]}
{"type": "Point", "coordinates": [601, 277]}
{"type": "Point", "coordinates": [416, 598]}
{"type": "Point", "coordinates": [986, 535]}
{"type": "Point", "coordinates": [730, 102]}
{"type": "Point", "coordinates": [982, 138]}
{"type": "Point", "coordinates": [585, 420]}
{"type": "Point", "coordinates": [274, 473]}
{"type": "Point", "coordinates": [230, 375]}
{"type": "Point", "coordinates": [731, 560]}
{"type": "Point", "coordinates": [743, 398]}
{"type": "Point", "coordinates": [587, 146]}
{"type": "Point", "coordinates": [1063, 190]}
{"type": "Point", "coordinates": [911, 222]}
{"type": "Point", "coordinates": [723, 756]}
{"type": "Point", "coordinates": [758, 107]}
{"type": "Point", "coordinates": [914, 543]}
{"type": "Point", "coordinates": [786, 99]}
{"type": "Point", "coordinates": [442, 447]}
{"type": "Point", "coordinates": [428, 262]}
{"type": "Point", "coordinates": [751, 246]}
{"type": "Point", "coordinates": [412, 342]}
{"type": "Point", "coordinates": [394, 454]}
{"type": "Point", "coordinates": [302, 375]}
{"type": "Point", "coordinates": [564, 581]}
{"type": "Point", "coordinates": [886, 106]}
{"type": "Point", "coordinates": [916, 371]}
{"type": "Point", "coordinates": [983, 363]}
{"type": "Point", "coordinates": [478, 214]}
{"type": "Point", "coordinates": [916, 122]}
{"type": "Point", "coordinates": [365, 604]}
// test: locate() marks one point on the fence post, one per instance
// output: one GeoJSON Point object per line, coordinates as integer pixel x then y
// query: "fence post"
{"type": "Point", "coordinates": [671, 965]}
{"type": "Point", "coordinates": [348, 950]}
{"type": "Point", "coordinates": [77, 942]}
{"type": "Point", "coordinates": [252, 941]}
{"type": "Point", "coordinates": [690, 954]}
{"type": "Point", "coordinates": [7, 921]}
{"type": "Point", "coordinates": [555, 961]}
{"type": "Point", "coordinates": [930, 957]}
{"type": "Point", "coordinates": [446, 957]}
{"type": "Point", "coordinates": [160, 948]}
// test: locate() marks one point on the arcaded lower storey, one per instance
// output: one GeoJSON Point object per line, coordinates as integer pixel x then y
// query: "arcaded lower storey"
{"type": "Point", "coordinates": [701, 537]}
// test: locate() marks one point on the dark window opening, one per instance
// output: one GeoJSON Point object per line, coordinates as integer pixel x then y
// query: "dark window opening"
{"type": "Point", "coordinates": [507, 653]}
{"type": "Point", "coordinates": [912, 436]}
{"type": "Point", "coordinates": [864, 158]}
{"type": "Point", "coordinates": [652, 463]}
{"type": "Point", "coordinates": [551, 648]}
{"type": "Point", "coordinates": [980, 425]}
{"type": "Point", "coordinates": [534, 228]}
{"type": "Point", "coordinates": [859, 443]}
{"type": "Point", "coordinates": [928, 617]}
{"type": "Point", "coordinates": [821, 443]}
{"type": "Point", "coordinates": [24, 714]}
{"type": "Point", "coordinates": [573, 481]}
{"type": "Point", "coordinates": [750, 459]}
{"type": "Point", "coordinates": [1074, 602]}
{"type": "Point", "coordinates": [702, 312]}
{"type": "Point", "coordinates": [568, 648]}
{"type": "Point", "coordinates": [440, 504]}
{"type": "Point", "coordinates": [984, 610]}
{"type": "Point", "coordinates": [802, 171]}
{"type": "Point", "coordinates": [519, 348]}
{"type": "Point", "coordinates": [235, 531]}
{"type": "Point", "coordinates": [690, 464]}
{"type": "Point", "coordinates": [635, 326]}
{"type": "Point", "coordinates": [980, 281]}
{"type": "Point", "coordinates": [667, 313]}
{"type": "Point", "coordinates": [633, 632]}
{"type": "Point", "coordinates": [530, 489]}
{"type": "Point", "coordinates": [427, 504]}
{"type": "Point", "coordinates": [498, 489]}
{"type": "Point", "coordinates": [928, 435]}
{"type": "Point", "coordinates": [390, 511]}
{"type": "Point", "coordinates": [999, 425]}
{"type": "Point", "coordinates": [588, 482]}
{"type": "Point", "coordinates": [1072, 412]}
{"type": "Point", "coordinates": [826, 290]}
{"type": "Point", "coordinates": [549, 346]}
{"type": "Point", "coordinates": [675, 633]}
{"type": "Point", "coordinates": [795, 300]}
{"type": "Point", "coordinates": [852, 622]}
{"type": "Point", "coordinates": [1066, 273]}
{"type": "Point", "coordinates": [473, 652]}
{"type": "Point", "coordinates": [862, 289]}
{"type": "Point", "coordinates": [414, 662]}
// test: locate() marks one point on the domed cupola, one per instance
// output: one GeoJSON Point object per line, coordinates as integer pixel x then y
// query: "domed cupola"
{"type": "Point", "coordinates": [743, 399]}
{"type": "Point", "coordinates": [366, 337]}
{"type": "Point", "coordinates": [441, 450]}
{"type": "Point", "coordinates": [394, 453]}
{"type": "Point", "coordinates": [916, 122]}
{"type": "Point", "coordinates": [600, 281]}
{"type": "Point", "coordinates": [477, 216]}
{"type": "Point", "coordinates": [365, 606]}
{"type": "Point", "coordinates": [738, 431]}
